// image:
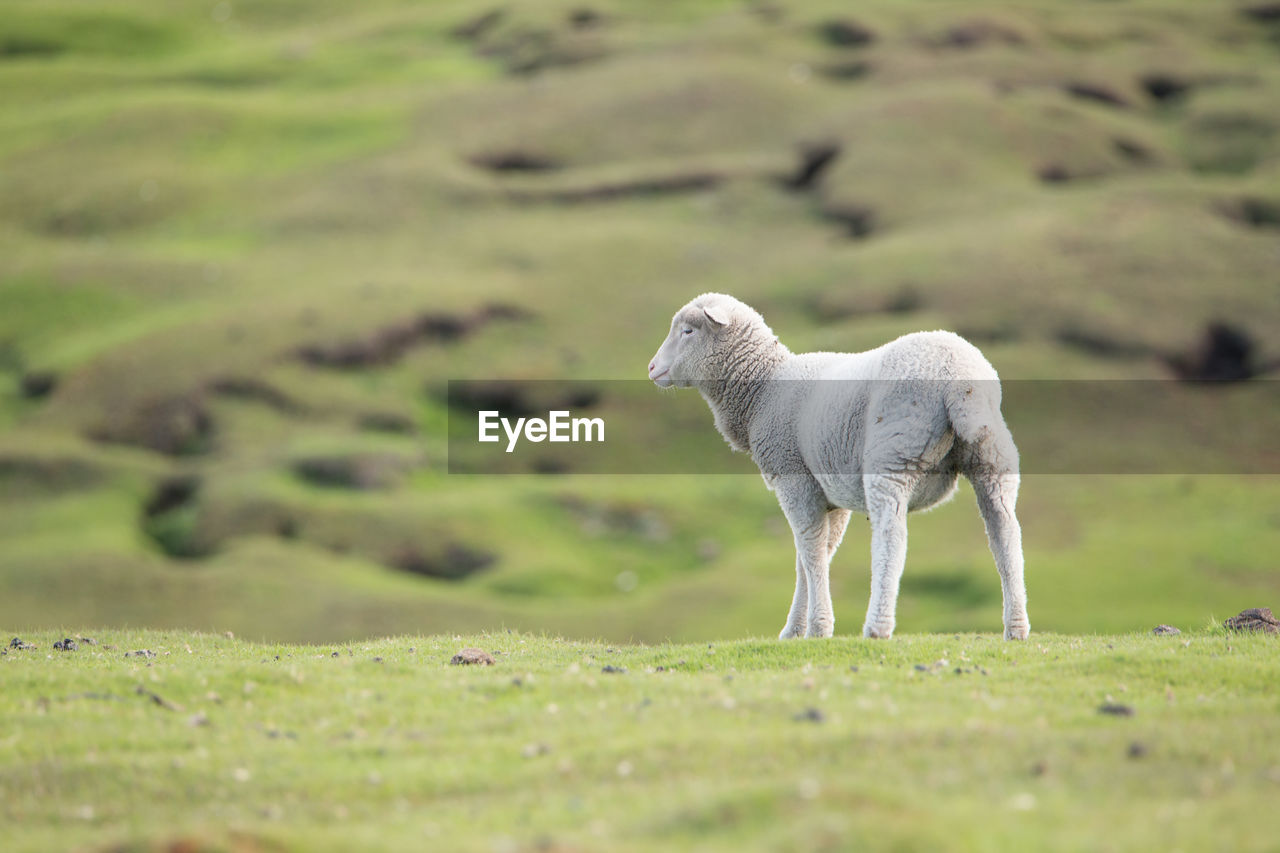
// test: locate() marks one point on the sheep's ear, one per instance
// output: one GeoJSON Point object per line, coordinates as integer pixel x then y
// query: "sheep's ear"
{"type": "Point", "coordinates": [716, 314]}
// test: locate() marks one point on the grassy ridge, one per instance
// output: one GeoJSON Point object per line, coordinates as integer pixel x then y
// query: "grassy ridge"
{"type": "Point", "coordinates": [195, 196]}
{"type": "Point", "coordinates": [957, 741]}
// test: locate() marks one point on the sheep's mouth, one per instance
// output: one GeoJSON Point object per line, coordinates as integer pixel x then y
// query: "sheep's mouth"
{"type": "Point", "coordinates": [658, 379]}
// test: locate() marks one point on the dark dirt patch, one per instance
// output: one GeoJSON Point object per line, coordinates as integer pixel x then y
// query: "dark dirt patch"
{"type": "Point", "coordinates": [171, 493]}
{"type": "Point", "coordinates": [810, 715]}
{"type": "Point", "coordinates": [1165, 631]}
{"type": "Point", "coordinates": [530, 49]}
{"type": "Point", "coordinates": [843, 32]}
{"type": "Point", "coordinates": [26, 46]}
{"type": "Point", "coordinates": [67, 645]}
{"type": "Point", "coordinates": [176, 425]}
{"type": "Point", "coordinates": [1101, 344]}
{"type": "Point", "coordinates": [1115, 709]}
{"type": "Point", "coordinates": [975, 33]}
{"type": "Point", "coordinates": [1253, 211]}
{"type": "Point", "coordinates": [358, 471]}
{"type": "Point", "coordinates": [472, 657]}
{"type": "Point", "coordinates": [846, 71]}
{"type": "Point", "coordinates": [389, 344]}
{"type": "Point", "coordinates": [140, 653]}
{"type": "Point", "coordinates": [1165, 88]}
{"type": "Point", "coordinates": [1254, 619]}
{"type": "Point", "coordinates": [1135, 152]}
{"type": "Point", "coordinates": [477, 27]}
{"type": "Point", "coordinates": [32, 473]}
{"type": "Point", "coordinates": [37, 384]}
{"type": "Point", "coordinates": [614, 670]}
{"type": "Point", "coordinates": [585, 18]}
{"type": "Point", "coordinates": [1224, 353]}
{"type": "Point", "coordinates": [386, 422]}
{"type": "Point", "coordinates": [255, 391]}
{"type": "Point", "coordinates": [170, 518]}
{"type": "Point", "coordinates": [815, 158]}
{"type": "Point", "coordinates": [514, 160]}
{"type": "Point", "coordinates": [518, 399]}
{"type": "Point", "coordinates": [858, 220]}
{"type": "Point", "coordinates": [996, 333]}
{"type": "Point", "coordinates": [453, 562]}
{"type": "Point", "coordinates": [19, 644]}
{"type": "Point", "coordinates": [1137, 749]}
{"type": "Point", "coordinates": [1267, 13]}
{"type": "Point", "coordinates": [1097, 93]}
{"type": "Point", "coordinates": [1054, 173]}
{"type": "Point", "coordinates": [647, 186]}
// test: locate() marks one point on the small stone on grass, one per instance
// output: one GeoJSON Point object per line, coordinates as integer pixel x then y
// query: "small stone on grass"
{"type": "Point", "coordinates": [472, 656]}
{"type": "Point", "coordinates": [1254, 619]}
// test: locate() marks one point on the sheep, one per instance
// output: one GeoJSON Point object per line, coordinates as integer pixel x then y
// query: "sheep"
{"type": "Point", "coordinates": [881, 432]}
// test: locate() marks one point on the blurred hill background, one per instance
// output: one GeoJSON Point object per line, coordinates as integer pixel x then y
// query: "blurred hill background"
{"type": "Point", "coordinates": [244, 245]}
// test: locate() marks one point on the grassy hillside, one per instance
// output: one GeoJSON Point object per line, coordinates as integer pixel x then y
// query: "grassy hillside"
{"type": "Point", "coordinates": [151, 741]}
{"type": "Point", "coordinates": [244, 246]}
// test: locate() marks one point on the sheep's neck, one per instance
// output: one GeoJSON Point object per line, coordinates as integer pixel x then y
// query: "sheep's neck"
{"type": "Point", "coordinates": [745, 369]}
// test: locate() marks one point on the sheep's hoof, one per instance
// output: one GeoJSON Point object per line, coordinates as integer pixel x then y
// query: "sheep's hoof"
{"type": "Point", "coordinates": [882, 632]}
{"type": "Point", "coordinates": [819, 630]}
{"type": "Point", "coordinates": [791, 632]}
{"type": "Point", "coordinates": [1017, 632]}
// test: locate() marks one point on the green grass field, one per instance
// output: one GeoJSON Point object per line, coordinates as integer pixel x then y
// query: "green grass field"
{"type": "Point", "coordinates": [924, 742]}
{"type": "Point", "coordinates": [245, 246]}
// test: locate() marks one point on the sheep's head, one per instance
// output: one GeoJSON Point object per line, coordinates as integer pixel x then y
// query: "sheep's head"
{"type": "Point", "coordinates": [699, 330]}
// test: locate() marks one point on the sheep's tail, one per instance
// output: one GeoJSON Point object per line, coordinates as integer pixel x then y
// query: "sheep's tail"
{"type": "Point", "coordinates": [973, 407]}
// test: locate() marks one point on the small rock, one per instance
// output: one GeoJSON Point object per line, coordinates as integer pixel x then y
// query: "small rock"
{"type": "Point", "coordinates": [619, 670]}
{"type": "Point", "coordinates": [140, 653]}
{"type": "Point", "coordinates": [533, 750]}
{"type": "Point", "coordinates": [334, 655]}
{"type": "Point", "coordinates": [1254, 619]}
{"type": "Point", "coordinates": [472, 656]}
{"type": "Point", "coordinates": [89, 641]}
{"type": "Point", "coordinates": [1165, 631]}
{"type": "Point", "coordinates": [1137, 749]}
{"type": "Point", "coordinates": [67, 645]}
{"type": "Point", "coordinates": [810, 715]}
{"type": "Point", "coordinates": [1115, 709]}
{"type": "Point", "coordinates": [17, 643]}
{"type": "Point", "coordinates": [198, 719]}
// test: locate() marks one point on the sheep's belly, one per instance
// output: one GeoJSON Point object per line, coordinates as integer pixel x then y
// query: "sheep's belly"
{"type": "Point", "coordinates": [845, 490]}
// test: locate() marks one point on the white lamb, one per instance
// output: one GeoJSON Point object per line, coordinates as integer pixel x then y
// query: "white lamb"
{"type": "Point", "coordinates": [882, 432]}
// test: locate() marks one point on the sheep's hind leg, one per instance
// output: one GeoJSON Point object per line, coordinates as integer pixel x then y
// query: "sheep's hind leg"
{"type": "Point", "coordinates": [887, 500]}
{"type": "Point", "coordinates": [997, 495]}
{"type": "Point", "coordinates": [798, 618]}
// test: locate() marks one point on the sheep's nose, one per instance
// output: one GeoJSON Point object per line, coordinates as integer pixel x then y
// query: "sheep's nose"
{"type": "Point", "coordinates": [652, 364]}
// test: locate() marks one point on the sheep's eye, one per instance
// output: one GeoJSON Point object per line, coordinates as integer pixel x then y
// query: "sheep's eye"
{"type": "Point", "coordinates": [686, 331]}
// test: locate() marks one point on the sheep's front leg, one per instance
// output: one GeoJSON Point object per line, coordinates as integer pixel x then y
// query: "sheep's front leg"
{"type": "Point", "coordinates": [806, 512]}
{"type": "Point", "coordinates": [887, 500]}
{"type": "Point", "coordinates": [798, 618]}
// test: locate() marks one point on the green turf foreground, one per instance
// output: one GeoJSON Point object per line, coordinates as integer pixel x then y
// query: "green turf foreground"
{"type": "Point", "coordinates": [937, 742]}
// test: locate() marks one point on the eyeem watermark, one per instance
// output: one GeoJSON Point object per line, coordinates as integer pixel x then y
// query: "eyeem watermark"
{"type": "Point", "coordinates": [1059, 426]}
{"type": "Point", "coordinates": [559, 426]}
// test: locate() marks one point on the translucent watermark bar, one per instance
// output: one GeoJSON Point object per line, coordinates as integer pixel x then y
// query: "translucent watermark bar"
{"type": "Point", "coordinates": [619, 427]}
